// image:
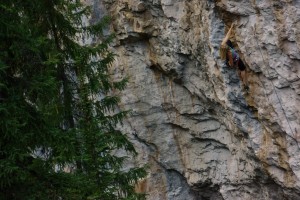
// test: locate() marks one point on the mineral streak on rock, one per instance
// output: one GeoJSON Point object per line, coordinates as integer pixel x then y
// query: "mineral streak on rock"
{"type": "Point", "coordinates": [201, 134]}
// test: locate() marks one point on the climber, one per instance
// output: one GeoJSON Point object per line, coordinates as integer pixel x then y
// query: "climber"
{"type": "Point", "coordinates": [232, 58]}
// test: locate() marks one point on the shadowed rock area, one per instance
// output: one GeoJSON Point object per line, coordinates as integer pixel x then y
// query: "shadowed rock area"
{"type": "Point", "coordinates": [201, 134]}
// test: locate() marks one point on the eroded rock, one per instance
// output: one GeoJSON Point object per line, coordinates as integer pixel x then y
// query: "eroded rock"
{"type": "Point", "coordinates": [203, 136]}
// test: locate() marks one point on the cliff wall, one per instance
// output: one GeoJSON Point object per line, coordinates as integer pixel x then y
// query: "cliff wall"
{"type": "Point", "coordinates": [202, 135]}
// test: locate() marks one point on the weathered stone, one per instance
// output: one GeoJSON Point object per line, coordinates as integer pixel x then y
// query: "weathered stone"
{"type": "Point", "coordinates": [202, 135]}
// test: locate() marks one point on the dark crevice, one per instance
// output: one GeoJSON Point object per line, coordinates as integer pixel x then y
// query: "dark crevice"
{"type": "Point", "coordinates": [172, 73]}
{"type": "Point", "coordinates": [135, 37]}
{"type": "Point", "coordinates": [177, 126]}
{"type": "Point", "coordinates": [151, 146]}
{"type": "Point", "coordinates": [211, 142]}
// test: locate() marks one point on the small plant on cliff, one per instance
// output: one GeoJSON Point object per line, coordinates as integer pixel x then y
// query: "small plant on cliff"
{"type": "Point", "coordinates": [57, 117]}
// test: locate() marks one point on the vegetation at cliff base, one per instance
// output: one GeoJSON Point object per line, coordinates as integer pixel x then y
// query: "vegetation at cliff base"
{"type": "Point", "coordinates": [58, 114]}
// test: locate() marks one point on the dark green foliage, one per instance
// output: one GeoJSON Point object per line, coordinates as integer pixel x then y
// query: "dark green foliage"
{"type": "Point", "coordinates": [57, 135]}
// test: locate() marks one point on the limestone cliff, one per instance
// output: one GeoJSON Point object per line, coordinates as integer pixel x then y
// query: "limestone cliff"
{"type": "Point", "coordinates": [202, 135]}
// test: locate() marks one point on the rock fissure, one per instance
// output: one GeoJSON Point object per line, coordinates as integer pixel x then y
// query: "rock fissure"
{"type": "Point", "coordinates": [205, 137]}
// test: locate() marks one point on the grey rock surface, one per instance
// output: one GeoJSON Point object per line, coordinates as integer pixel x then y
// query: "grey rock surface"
{"type": "Point", "coordinates": [202, 135]}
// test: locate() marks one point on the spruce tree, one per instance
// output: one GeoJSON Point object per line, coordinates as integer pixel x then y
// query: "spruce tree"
{"type": "Point", "coordinates": [58, 114]}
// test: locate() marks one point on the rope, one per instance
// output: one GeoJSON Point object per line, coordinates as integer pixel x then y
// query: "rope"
{"type": "Point", "coordinates": [254, 30]}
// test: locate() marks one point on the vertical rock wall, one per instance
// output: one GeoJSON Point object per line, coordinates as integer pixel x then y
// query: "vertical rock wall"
{"type": "Point", "coordinates": [201, 134]}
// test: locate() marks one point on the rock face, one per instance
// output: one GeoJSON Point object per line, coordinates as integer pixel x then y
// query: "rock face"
{"type": "Point", "coordinates": [201, 134]}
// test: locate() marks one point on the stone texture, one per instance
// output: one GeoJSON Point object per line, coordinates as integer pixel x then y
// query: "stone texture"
{"type": "Point", "coordinates": [202, 136]}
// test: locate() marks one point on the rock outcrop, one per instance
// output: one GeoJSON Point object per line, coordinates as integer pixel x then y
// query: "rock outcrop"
{"type": "Point", "coordinates": [201, 134]}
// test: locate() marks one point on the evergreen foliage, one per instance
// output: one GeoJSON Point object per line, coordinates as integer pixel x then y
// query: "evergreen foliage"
{"type": "Point", "coordinates": [57, 115]}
